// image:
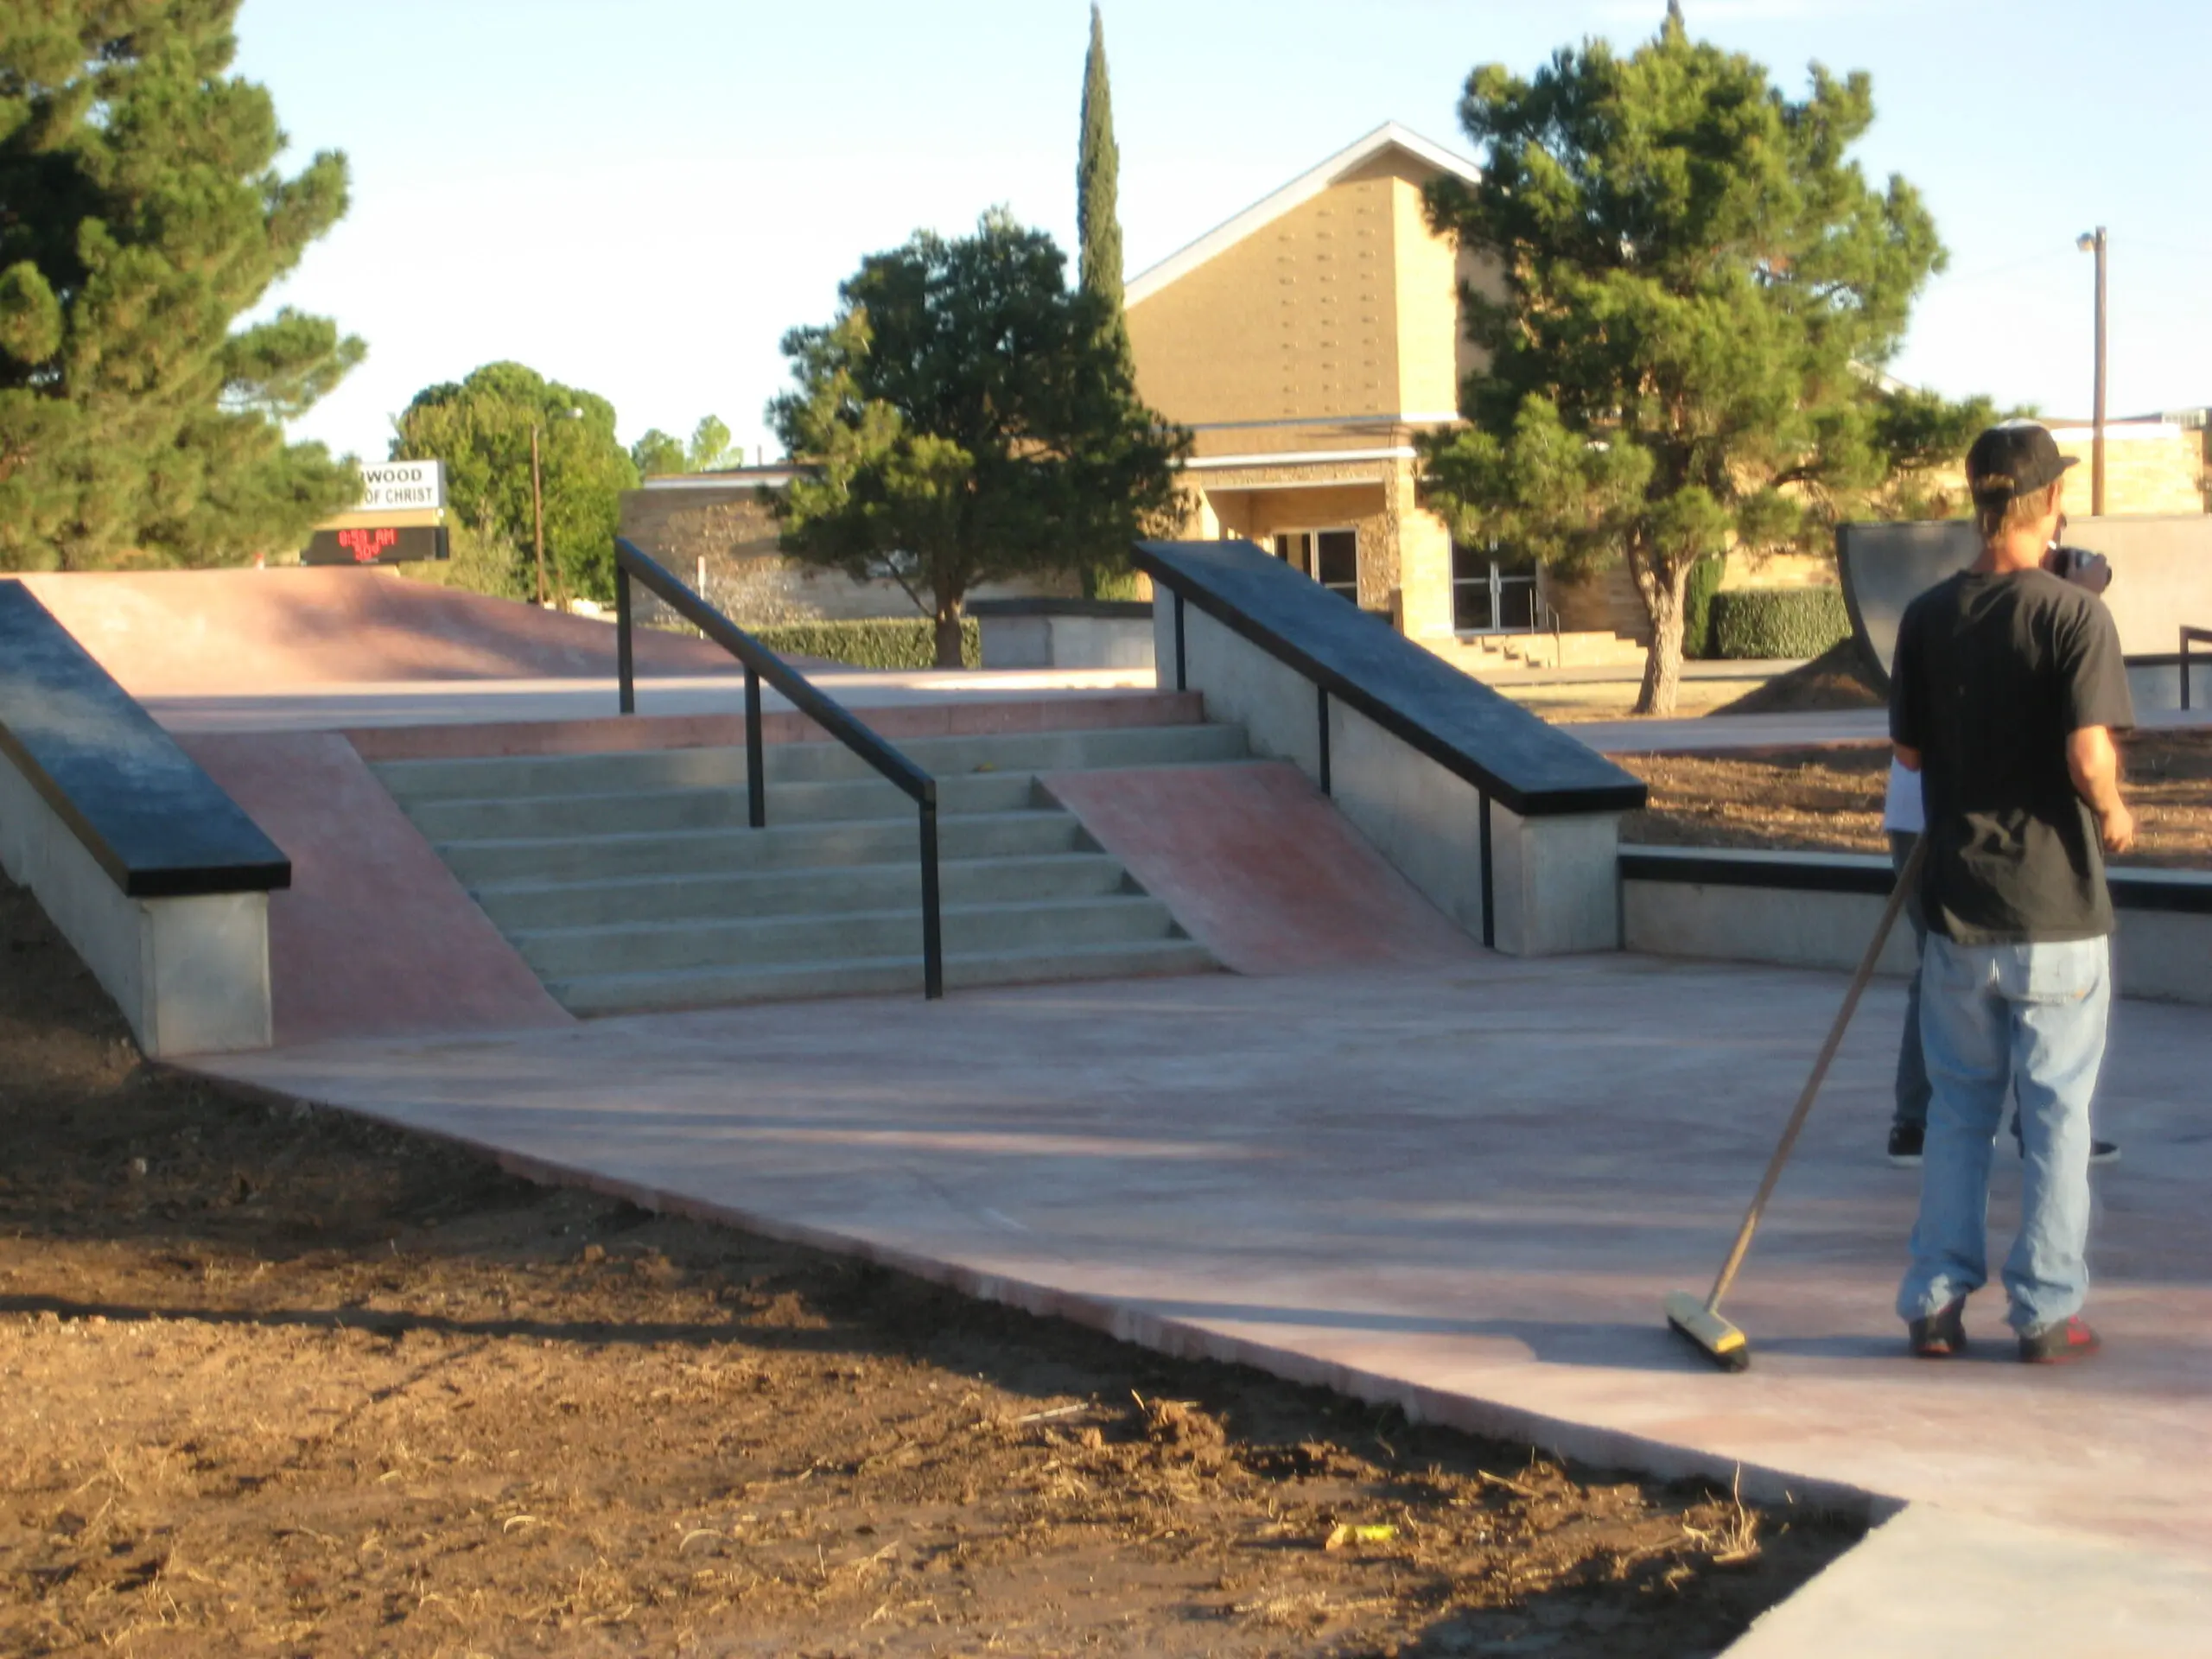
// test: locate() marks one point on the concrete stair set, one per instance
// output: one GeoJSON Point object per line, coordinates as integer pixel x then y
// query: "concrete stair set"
{"type": "Point", "coordinates": [1489, 654]}
{"type": "Point", "coordinates": [632, 880]}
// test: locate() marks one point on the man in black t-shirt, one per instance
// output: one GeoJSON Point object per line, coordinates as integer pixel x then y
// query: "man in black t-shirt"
{"type": "Point", "coordinates": [2007, 685]}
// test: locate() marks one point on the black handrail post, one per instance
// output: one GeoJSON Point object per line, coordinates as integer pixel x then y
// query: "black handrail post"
{"type": "Point", "coordinates": [756, 758]}
{"type": "Point", "coordinates": [806, 699]}
{"type": "Point", "coordinates": [2185, 632]}
{"type": "Point", "coordinates": [1182, 668]}
{"type": "Point", "coordinates": [1490, 894]}
{"type": "Point", "coordinates": [932, 919]}
{"type": "Point", "coordinates": [1323, 700]}
{"type": "Point", "coordinates": [624, 666]}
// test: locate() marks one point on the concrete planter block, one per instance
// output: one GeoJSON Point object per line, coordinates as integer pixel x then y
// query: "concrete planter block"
{"type": "Point", "coordinates": [190, 975]}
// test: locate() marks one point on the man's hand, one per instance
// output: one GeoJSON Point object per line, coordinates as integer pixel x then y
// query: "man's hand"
{"type": "Point", "coordinates": [2093, 760]}
{"type": "Point", "coordinates": [2085, 569]}
{"type": "Point", "coordinates": [2116, 829]}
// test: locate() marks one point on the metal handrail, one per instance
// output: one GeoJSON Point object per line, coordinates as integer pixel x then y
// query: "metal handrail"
{"type": "Point", "coordinates": [2203, 636]}
{"type": "Point", "coordinates": [631, 564]}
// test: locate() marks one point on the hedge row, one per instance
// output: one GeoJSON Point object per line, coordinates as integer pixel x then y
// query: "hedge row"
{"type": "Point", "coordinates": [1770, 622]}
{"type": "Point", "coordinates": [1697, 605]}
{"type": "Point", "coordinates": [871, 642]}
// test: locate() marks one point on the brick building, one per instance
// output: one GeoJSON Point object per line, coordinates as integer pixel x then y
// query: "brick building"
{"type": "Point", "coordinates": [1305, 342]}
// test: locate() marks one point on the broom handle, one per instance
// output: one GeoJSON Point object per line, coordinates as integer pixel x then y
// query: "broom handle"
{"type": "Point", "coordinates": [1907, 878]}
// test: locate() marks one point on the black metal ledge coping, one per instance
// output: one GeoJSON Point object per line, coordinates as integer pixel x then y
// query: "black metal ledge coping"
{"type": "Point", "coordinates": [1527, 766]}
{"type": "Point", "coordinates": [148, 815]}
{"type": "Point", "coordinates": [2178, 892]}
{"type": "Point", "coordinates": [1118, 610]}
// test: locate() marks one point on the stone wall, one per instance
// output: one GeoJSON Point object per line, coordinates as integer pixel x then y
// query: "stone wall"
{"type": "Point", "coordinates": [734, 531]}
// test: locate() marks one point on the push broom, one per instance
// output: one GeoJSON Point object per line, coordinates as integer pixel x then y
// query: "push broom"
{"type": "Point", "coordinates": [1700, 1321]}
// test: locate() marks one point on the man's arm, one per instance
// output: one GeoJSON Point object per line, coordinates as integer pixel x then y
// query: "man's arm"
{"type": "Point", "coordinates": [2094, 762]}
{"type": "Point", "coordinates": [1908, 757]}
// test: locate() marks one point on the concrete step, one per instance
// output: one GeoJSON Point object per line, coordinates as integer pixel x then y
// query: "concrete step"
{"type": "Point", "coordinates": [798, 942]}
{"type": "Point", "coordinates": [612, 994]}
{"type": "Point", "coordinates": [526, 906]}
{"type": "Point", "coordinates": [416, 782]}
{"type": "Point", "coordinates": [522, 817]}
{"type": "Point", "coordinates": [557, 857]}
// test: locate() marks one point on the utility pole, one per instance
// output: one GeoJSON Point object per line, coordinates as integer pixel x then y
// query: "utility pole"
{"type": "Point", "coordinates": [539, 514]}
{"type": "Point", "coordinates": [2094, 242]}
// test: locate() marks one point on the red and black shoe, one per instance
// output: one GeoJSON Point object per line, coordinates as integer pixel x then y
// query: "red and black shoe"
{"type": "Point", "coordinates": [2060, 1344]}
{"type": "Point", "coordinates": [1941, 1334]}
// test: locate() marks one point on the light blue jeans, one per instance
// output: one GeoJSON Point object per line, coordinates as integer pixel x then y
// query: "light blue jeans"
{"type": "Point", "coordinates": [2029, 1016]}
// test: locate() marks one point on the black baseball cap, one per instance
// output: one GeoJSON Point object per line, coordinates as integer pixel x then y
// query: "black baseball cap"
{"type": "Point", "coordinates": [2014, 459]}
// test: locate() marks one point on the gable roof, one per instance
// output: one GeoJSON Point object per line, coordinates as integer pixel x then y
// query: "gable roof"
{"type": "Point", "coordinates": [1302, 188]}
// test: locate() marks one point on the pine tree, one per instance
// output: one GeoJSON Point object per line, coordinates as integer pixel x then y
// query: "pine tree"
{"type": "Point", "coordinates": [1698, 284]}
{"type": "Point", "coordinates": [141, 214]}
{"type": "Point", "coordinates": [1098, 225]}
{"type": "Point", "coordinates": [965, 419]}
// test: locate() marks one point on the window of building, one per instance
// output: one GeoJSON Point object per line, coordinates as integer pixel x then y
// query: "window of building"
{"type": "Point", "coordinates": [1494, 591]}
{"type": "Point", "coordinates": [1330, 556]}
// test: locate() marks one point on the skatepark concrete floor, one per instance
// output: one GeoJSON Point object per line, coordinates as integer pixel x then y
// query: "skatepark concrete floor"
{"type": "Point", "coordinates": [291, 1379]}
{"type": "Point", "coordinates": [1463, 1192]}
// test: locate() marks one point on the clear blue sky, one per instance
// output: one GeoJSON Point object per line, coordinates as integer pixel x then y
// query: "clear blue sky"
{"type": "Point", "coordinates": [640, 198]}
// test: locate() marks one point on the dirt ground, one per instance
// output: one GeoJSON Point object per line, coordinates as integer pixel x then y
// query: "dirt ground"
{"type": "Point", "coordinates": [1570, 702]}
{"type": "Point", "coordinates": [277, 1381]}
{"type": "Point", "coordinates": [1829, 799]}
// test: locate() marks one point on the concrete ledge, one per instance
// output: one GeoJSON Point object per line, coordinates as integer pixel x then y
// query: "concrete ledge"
{"type": "Point", "coordinates": [1817, 910]}
{"type": "Point", "coordinates": [190, 973]}
{"type": "Point", "coordinates": [1063, 634]}
{"type": "Point", "coordinates": [1552, 878]}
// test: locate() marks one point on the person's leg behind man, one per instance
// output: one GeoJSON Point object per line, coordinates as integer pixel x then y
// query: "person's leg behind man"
{"type": "Point", "coordinates": [2059, 999]}
{"type": "Point", "coordinates": [1908, 1119]}
{"type": "Point", "coordinates": [1965, 1028]}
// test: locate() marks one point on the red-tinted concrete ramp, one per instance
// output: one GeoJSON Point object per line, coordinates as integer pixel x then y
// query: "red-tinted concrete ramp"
{"type": "Point", "coordinates": [1260, 869]}
{"type": "Point", "coordinates": [202, 633]}
{"type": "Point", "coordinates": [374, 938]}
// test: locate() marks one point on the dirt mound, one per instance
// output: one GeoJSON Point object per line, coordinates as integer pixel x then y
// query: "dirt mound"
{"type": "Point", "coordinates": [1837, 678]}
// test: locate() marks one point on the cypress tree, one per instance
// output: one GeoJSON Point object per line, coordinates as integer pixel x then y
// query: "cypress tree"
{"type": "Point", "coordinates": [1098, 225]}
{"type": "Point", "coordinates": [141, 215]}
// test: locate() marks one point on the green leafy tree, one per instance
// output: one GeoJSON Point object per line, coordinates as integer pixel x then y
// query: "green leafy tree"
{"type": "Point", "coordinates": [1700, 286]}
{"type": "Point", "coordinates": [481, 428]}
{"type": "Point", "coordinates": [662, 453]}
{"type": "Point", "coordinates": [141, 215]}
{"type": "Point", "coordinates": [964, 419]}
{"type": "Point", "coordinates": [658, 454]}
{"type": "Point", "coordinates": [710, 447]}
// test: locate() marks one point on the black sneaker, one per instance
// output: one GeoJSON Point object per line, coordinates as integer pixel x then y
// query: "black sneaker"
{"type": "Point", "coordinates": [2070, 1339]}
{"type": "Point", "coordinates": [2100, 1152]}
{"type": "Point", "coordinates": [1942, 1333]}
{"type": "Point", "coordinates": [1906, 1141]}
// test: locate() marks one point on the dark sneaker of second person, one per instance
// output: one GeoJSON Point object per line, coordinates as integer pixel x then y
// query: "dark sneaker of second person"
{"type": "Point", "coordinates": [2059, 1343]}
{"type": "Point", "coordinates": [1907, 1140]}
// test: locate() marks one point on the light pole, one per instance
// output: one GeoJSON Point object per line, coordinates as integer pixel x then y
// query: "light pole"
{"type": "Point", "coordinates": [2094, 242]}
{"type": "Point", "coordinates": [539, 503]}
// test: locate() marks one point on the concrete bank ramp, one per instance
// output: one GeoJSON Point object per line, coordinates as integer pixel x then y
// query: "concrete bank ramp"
{"type": "Point", "coordinates": [374, 938]}
{"type": "Point", "coordinates": [199, 632]}
{"type": "Point", "coordinates": [1258, 866]}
